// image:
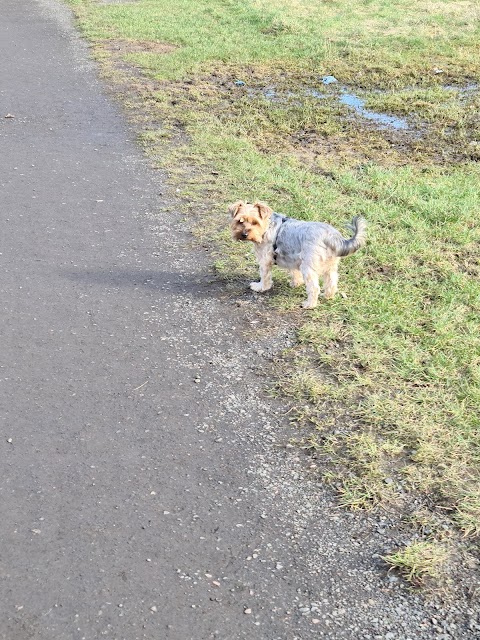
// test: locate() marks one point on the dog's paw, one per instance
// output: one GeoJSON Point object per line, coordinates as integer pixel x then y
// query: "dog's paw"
{"type": "Point", "coordinates": [258, 287]}
{"type": "Point", "coordinates": [309, 305]}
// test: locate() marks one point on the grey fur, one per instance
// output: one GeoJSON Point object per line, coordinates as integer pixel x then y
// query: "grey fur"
{"type": "Point", "coordinates": [308, 250]}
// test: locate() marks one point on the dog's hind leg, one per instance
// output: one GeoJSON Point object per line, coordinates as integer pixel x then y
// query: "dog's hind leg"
{"type": "Point", "coordinates": [313, 289]}
{"type": "Point", "coordinates": [330, 282]}
{"type": "Point", "coordinates": [297, 278]}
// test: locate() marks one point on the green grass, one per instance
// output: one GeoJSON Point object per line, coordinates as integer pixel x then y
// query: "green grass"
{"type": "Point", "coordinates": [385, 380]}
{"type": "Point", "coordinates": [420, 561]}
{"type": "Point", "coordinates": [376, 38]}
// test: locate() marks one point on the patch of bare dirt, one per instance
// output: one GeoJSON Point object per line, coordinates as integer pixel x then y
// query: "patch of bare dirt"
{"type": "Point", "coordinates": [122, 47]}
{"type": "Point", "coordinates": [362, 143]}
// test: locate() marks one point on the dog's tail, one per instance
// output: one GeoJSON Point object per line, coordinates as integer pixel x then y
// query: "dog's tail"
{"type": "Point", "coordinates": [344, 247]}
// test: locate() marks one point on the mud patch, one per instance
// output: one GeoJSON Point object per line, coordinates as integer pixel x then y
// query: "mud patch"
{"type": "Point", "coordinates": [130, 76]}
{"type": "Point", "coordinates": [123, 47]}
{"type": "Point", "coordinates": [290, 113]}
{"type": "Point", "coordinates": [340, 117]}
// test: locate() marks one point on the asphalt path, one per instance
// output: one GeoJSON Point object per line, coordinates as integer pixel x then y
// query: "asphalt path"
{"type": "Point", "coordinates": [118, 519]}
{"type": "Point", "coordinates": [143, 490]}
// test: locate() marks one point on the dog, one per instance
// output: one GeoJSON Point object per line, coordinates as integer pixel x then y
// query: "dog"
{"type": "Point", "coordinates": [308, 250]}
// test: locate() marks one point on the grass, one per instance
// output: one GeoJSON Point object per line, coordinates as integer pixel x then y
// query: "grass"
{"type": "Point", "coordinates": [385, 380]}
{"type": "Point", "coordinates": [420, 561]}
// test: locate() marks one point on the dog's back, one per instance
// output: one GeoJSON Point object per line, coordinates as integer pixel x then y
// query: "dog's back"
{"type": "Point", "coordinates": [294, 236]}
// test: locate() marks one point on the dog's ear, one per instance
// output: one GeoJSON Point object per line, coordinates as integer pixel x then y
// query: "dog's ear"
{"type": "Point", "coordinates": [233, 208]}
{"type": "Point", "coordinates": [264, 210]}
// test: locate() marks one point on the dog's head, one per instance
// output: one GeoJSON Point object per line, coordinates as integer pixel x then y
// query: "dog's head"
{"type": "Point", "coordinates": [249, 221]}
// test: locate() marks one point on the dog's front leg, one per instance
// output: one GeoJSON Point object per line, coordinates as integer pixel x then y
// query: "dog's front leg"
{"type": "Point", "coordinates": [266, 282]}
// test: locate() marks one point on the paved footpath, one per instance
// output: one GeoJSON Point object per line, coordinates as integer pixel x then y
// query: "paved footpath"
{"type": "Point", "coordinates": [142, 491]}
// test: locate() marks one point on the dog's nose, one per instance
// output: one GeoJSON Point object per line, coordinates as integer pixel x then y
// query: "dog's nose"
{"type": "Point", "coordinates": [245, 234]}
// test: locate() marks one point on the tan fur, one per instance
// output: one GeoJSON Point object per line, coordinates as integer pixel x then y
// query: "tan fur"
{"type": "Point", "coordinates": [250, 221]}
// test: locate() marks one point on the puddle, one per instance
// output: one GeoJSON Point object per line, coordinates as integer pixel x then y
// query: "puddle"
{"type": "Point", "coordinates": [344, 97]}
{"type": "Point", "coordinates": [350, 100]}
{"type": "Point", "coordinates": [469, 88]}
{"type": "Point", "coordinates": [269, 93]}
{"type": "Point", "coordinates": [358, 105]}
{"type": "Point", "coordinates": [382, 119]}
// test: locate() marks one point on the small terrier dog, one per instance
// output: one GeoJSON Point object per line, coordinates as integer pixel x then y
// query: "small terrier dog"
{"type": "Point", "coordinates": [308, 250]}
